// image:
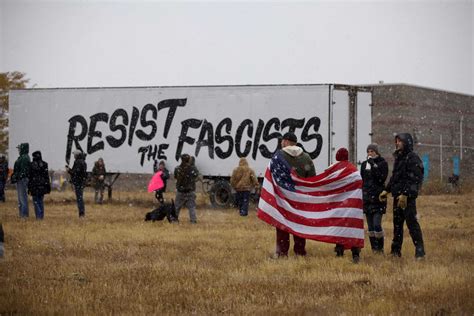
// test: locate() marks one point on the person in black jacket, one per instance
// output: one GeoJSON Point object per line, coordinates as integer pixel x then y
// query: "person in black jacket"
{"type": "Point", "coordinates": [78, 178]}
{"type": "Point", "coordinates": [186, 175]}
{"type": "Point", "coordinates": [39, 183]}
{"type": "Point", "coordinates": [3, 176]}
{"type": "Point", "coordinates": [404, 185]}
{"type": "Point", "coordinates": [374, 172]}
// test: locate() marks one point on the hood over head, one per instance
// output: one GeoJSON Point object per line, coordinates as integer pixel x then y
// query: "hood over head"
{"type": "Point", "coordinates": [243, 162]}
{"type": "Point", "coordinates": [407, 141]}
{"type": "Point", "coordinates": [37, 156]}
{"type": "Point", "coordinates": [293, 151]}
{"type": "Point", "coordinates": [24, 148]}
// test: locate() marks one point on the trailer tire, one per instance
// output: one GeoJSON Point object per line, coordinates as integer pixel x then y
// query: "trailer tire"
{"type": "Point", "coordinates": [221, 194]}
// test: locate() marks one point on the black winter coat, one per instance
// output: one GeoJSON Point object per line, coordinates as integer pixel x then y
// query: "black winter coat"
{"type": "Point", "coordinates": [374, 173]}
{"type": "Point", "coordinates": [407, 175]}
{"type": "Point", "coordinates": [3, 169]}
{"type": "Point", "coordinates": [38, 183]}
{"type": "Point", "coordinates": [79, 171]}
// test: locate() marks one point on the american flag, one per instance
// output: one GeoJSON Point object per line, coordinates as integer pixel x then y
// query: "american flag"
{"type": "Point", "coordinates": [326, 207]}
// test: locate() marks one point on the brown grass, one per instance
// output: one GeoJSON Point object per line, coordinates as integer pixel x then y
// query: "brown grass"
{"type": "Point", "coordinates": [112, 262]}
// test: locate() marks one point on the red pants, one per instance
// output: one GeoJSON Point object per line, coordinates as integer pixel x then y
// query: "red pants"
{"type": "Point", "coordinates": [283, 244]}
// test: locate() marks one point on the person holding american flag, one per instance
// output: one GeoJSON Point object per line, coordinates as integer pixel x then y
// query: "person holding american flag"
{"type": "Point", "coordinates": [291, 158]}
{"type": "Point", "coordinates": [325, 207]}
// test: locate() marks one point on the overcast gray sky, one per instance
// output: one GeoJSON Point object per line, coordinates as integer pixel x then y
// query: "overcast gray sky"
{"type": "Point", "coordinates": [149, 43]}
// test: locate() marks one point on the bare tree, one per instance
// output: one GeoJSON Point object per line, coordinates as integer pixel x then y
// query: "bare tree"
{"type": "Point", "coordinates": [8, 81]}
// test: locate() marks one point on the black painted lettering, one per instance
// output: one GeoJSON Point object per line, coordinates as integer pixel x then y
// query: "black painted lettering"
{"type": "Point", "coordinates": [147, 123]}
{"type": "Point", "coordinates": [256, 139]}
{"type": "Point", "coordinates": [246, 124]}
{"type": "Point", "coordinates": [133, 125]}
{"type": "Point", "coordinates": [117, 142]}
{"type": "Point", "coordinates": [72, 137]}
{"type": "Point", "coordinates": [267, 136]}
{"type": "Point", "coordinates": [98, 117]}
{"type": "Point", "coordinates": [183, 136]}
{"type": "Point", "coordinates": [314, 122]}
{"type": "Point", "coordinates": [206, 138]}
{"type": "Point", "coordinates": [227, 124]}
{"type": "Point", "coordinates": [172, 104]}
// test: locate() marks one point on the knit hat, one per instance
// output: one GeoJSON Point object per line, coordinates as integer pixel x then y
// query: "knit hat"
{"type": "Point", "coordinates": [342, 154]}
{"type": "Point", "coordinates": [291, 137]}
{"type": "Point", "coordinates": [374, 147]}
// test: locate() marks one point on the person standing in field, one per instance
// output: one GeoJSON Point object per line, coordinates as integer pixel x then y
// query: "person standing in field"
{"type": "Point", "coordinates": [243, 180]}
{"type": "Point", "coordinates": [165, 175]}
{"type": "Point", "coordinates": [21, 171]}
{"type": "Point", "coordinates": [404, 185]}
{"type": "Point", "coordinates": [3, 176]}
{"type": "Point", "coordinates": [2, 240]}
{"type": "Point", "coordinates": [374, 172]}
{"type": "Point", "coordinates": [342, 156]}
{"type": "Point", "coordinates": [78, 175]}
{"type": "Point", "coordinates": [302, 164]}
{"type": "Point", "coordinates": [98, 178]}
{"type": "Point", "coordinates": [39, 183]}
{"type": "Point", "coordinates": [186, 175]}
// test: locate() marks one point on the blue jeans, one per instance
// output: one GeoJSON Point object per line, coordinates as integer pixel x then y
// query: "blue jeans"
{"type": "Point", "coordinates": [22, 191]}
{"type": "Point", "coordinates": [374, 222]}
{"type": "Point", "coordinates": [79, 190]}
{"type": "Point", "coordinates": [38, 201]}
{"type": "Point", "coordinates": [242, 198]}
{"type": "Point", "coordinates": [2, 191]}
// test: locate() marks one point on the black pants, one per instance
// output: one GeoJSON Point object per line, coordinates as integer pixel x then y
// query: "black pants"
{"type": "Point", "coordinates": [408, 215]}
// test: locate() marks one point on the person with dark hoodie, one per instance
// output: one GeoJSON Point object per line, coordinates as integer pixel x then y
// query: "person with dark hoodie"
{"type": "Point", "coordinates": [404, 185]}
{"type": "Point", "coordinates": [21, 171]}
{"type": "Point", "coordinates": [98, 178]}
{"type": "Point", "coordinates": [374, 172]}
{"type": "Point", "coordinates": [342, 156]}
{"type": "Point", "coordinates": [3, 176]}
{"type": "Point", "coordinates": [186, 175]}
{"type": "Point", "coordinates": [39, 183]}
{"type": "Point", "coordinates": [78, 178]}
{"type": "Point", "coordinates": [302, 164]}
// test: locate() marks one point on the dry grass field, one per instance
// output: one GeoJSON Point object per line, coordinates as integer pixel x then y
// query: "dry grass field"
{"type": "Point", "coordinates": [112, 262]}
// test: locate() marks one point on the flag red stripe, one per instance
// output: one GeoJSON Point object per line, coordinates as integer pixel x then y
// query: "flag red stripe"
{"type": "Point", "coordinates": [313, 222]}
{"type": "Point", "coordinates": [312, 207]}
{"type": "Point", "coordinates": [345, 241]}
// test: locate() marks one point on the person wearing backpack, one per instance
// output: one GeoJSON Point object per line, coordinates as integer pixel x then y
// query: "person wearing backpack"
{"type": "Point", "coordinates": [404, 185]}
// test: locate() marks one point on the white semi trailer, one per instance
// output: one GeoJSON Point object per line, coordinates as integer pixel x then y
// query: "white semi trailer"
{"type": "Point", "coordinates": [132, 127]}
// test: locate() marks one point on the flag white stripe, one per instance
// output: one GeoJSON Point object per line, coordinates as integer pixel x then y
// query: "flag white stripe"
{"type": "Point", "coordinates": [351, 178]}
{"type": "Point", "coordinates": [347, 212]}
{"type": "Point", "coordinates": [334, 231]}
{"type": "Point", "coordinates": [297, 197]}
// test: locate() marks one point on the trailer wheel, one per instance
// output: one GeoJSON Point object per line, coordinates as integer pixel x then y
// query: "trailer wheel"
{"type": "Point", "coordinates": [221, 194]}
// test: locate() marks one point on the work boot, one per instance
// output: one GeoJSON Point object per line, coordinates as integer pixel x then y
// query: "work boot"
{"type": "Point", "coordinates": [339, 249]}
{"type": "Point", "coordinates": [373, 244]}
{"type": "Point", "coordinates": [419, 252]}
{"type": "Point", "coordinates": [380, 245]}
{"type": "Point", "coordinates": [355, 255]}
